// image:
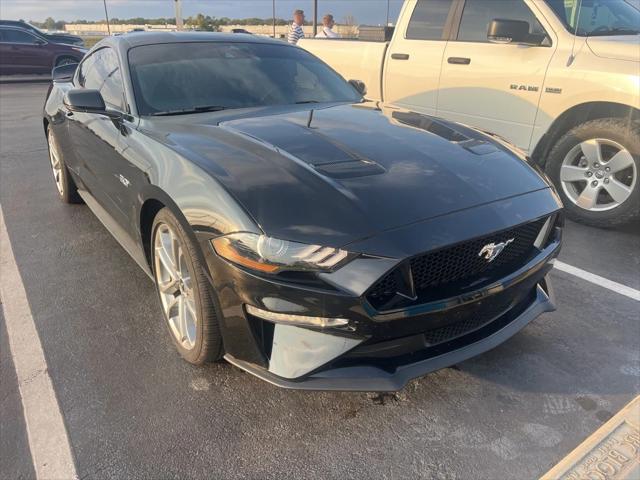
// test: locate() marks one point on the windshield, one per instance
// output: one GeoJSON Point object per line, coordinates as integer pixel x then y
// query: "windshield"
{"type": "Point", "coordinates": [597, 17]}
{"type": "Point", "coordinates": [194, 77]}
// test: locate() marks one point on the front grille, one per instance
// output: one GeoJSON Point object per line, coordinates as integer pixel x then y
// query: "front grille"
{"type": "Point", "coordinates": [458, 264]}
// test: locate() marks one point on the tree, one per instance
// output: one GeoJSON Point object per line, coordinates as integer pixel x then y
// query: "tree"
{"type": "Point", "coordinates": [49, 24]}
{"type": "Point", "coordinates": [350, 29]}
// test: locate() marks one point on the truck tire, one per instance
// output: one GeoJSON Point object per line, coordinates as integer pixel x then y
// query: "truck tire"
{"type": "Point", "coordinates": [595, 168]}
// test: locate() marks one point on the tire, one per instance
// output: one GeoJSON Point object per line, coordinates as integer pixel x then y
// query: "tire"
{"type": "Point", "coordinates": [594, 190]}
{"type": "Point", "coordinates": [198, 337]}
{"type": "Point", "coordinates": [65, 185]}
{"type": "Point", "coordinates": [65, 61]}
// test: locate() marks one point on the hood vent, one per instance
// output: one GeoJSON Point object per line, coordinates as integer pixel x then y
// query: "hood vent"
{"type": "Point", "coordinates": [355, 168]}
{"type": "Point", "coordinates": [325, 154]}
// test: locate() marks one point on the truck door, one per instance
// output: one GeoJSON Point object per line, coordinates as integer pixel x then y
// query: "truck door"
{"type": "Point", "coordinates": [495, 86]}
{"type": "Point", "coordinates": [414, 58]}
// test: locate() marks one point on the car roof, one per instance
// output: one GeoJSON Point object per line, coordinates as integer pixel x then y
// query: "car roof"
{"type": "Point", "coordinates": [136, 39]}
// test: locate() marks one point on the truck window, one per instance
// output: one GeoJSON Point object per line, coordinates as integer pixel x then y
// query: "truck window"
{"type": "Point", "coordinates": [428, 20]}
{"type": "Point", "coordinates": [598, 17]}
{"type": "Point", "coordinates": [478, 14]}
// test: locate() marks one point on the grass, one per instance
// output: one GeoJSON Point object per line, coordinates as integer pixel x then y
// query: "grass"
{"type": "Point", "coordinates": [91, 41]}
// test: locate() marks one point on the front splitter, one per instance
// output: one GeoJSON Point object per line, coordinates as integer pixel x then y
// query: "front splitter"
{"type": "Point", "coordinates": [372, 379]}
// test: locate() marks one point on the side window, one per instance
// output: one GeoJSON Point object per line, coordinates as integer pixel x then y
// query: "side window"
{"type": "Point", "coordinates": [478, 14]}
{"type": "Point", "coordinates": [84, 69]}
{"type": "Point", "coordinates": [17, 36]}
{"type": "Point", "coordinates": [428, 20]}
{"type": "Point", "coordinates": [102, 72]}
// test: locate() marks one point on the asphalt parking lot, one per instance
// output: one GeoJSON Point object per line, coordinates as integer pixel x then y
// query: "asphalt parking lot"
{"type": "Point", "coordinates": [133, 409]}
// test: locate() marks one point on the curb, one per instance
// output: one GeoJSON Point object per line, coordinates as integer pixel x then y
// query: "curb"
{"type": "Point", "coordinates": [611, 452]}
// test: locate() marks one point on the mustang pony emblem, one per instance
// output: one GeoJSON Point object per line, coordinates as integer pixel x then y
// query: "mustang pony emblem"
{"type": "Point", "coordinates": [491, 250]}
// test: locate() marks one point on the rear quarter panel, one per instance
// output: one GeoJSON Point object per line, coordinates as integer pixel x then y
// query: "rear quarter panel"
{"type": "Point", "coordinates": [55, 118]}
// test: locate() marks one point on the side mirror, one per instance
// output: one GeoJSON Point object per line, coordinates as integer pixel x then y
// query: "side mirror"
{"type": "Point", "coordinates": [508, 31]}
{"type": "Point", "coordinates": [359, 86]}
{"type": "Point", "coordinates": [40, 42]}
{"type": "Point", "coordinates": [64, 73]}
{"type": "Point", "coordinates": [88, 101]}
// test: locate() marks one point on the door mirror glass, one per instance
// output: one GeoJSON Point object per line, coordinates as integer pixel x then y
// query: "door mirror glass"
{"type": "Point", "coordinates": [512, 31]}
{"type": "Point", "coordinates": [64, 73]}
{"type": "Point", "coordinates": [87, 101]}
{"type": "Point", "coordinates": [359, 86]}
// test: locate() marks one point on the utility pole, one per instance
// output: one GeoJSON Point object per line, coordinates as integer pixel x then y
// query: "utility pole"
{"type": "Point", "coordinates": [273, 6]}
{"type": "Point", "coordinates": [315, 17]}
{"type": "Point", "coordinates": [178, 5]}
{"type": "Point", "coordinates": [106, 14]}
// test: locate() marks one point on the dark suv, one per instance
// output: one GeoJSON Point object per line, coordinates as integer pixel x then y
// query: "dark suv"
{"type": "Point", "coordinates": [22, 51]}
{"type": "Point", "coordinates": [51, 37]}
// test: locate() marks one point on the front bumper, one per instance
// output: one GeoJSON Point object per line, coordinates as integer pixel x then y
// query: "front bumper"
{"type": "Point", "coordinates": [382, 351]}
{"type": "Point", "coordinates": [375, 352]}
{"type": "Point", "coordinates": [369, 378]}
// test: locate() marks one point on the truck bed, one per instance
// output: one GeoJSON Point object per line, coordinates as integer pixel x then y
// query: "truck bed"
{"type": "Point", "coordinates": [353, 59]}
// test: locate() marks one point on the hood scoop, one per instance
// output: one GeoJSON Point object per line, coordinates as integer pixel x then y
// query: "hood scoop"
{"type": "Point", "coordinates": [307, 144]}
{"type": "Point", "coordinates": [445, 130]}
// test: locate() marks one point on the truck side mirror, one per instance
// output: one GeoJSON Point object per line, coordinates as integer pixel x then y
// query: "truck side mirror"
{"type": "Point", "coordinates": [359, 86]}
{"type": "Point", "coordinates": [508, 31]}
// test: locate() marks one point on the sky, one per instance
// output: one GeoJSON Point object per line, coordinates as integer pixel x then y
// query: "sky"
{"type": "Point", "coordinates": [364, 11]}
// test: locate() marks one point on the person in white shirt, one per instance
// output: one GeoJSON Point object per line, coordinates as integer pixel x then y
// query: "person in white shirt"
{"type": "Point", "coordinates": [327, 28]}
{"type": "Point", "coordinates": [295, 29]}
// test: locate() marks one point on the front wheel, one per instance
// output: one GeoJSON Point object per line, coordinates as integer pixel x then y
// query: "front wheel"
{"type": "Point", "coordinates": [595, 167]}
{"type": "Point", "coordinates": [188, 302]}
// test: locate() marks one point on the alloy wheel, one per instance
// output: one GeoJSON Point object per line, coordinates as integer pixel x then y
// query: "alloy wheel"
{"type": "Point", "coordinates": [175, 285]}
{"type": "Point", "coordinates": [56, 164]}
{"type": "Point", "coordinates": [598, 174]}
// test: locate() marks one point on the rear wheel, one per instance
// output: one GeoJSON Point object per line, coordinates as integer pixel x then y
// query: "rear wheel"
{"type": "Point", "coordinates": [188, 301]}
{"type": "Point", "coordinates": [595, 167]}
{"type": "Point", "coordinates": [64, 183]}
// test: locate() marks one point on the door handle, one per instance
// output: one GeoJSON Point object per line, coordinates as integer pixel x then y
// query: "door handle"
{"type": "Point", "coordinates": [400, 56]}
{"type": "Point", "coordinates": [459, 60]}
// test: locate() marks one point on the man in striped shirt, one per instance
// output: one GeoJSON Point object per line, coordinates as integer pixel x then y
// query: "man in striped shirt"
{"type": "Point", "coordinates": [295, 29]}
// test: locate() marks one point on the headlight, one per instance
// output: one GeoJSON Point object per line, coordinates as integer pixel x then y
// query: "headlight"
{"type": "Point", "coordinates": [272, 255]}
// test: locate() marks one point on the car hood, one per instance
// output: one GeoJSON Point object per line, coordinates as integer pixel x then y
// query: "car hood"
{"type": "Point", "coordinates": [336, 174]}
{"type": "Point", "coordinates": [620, 47]}
{"type": "Point", "coordinates": [63, 39]}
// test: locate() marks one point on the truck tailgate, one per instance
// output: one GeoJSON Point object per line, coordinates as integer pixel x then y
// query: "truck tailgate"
{"type": "Point", "coordinates": [353, 59]}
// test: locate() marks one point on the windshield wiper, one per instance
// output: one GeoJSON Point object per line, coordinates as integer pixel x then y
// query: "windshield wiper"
{"type": "Point", "coordinates": [307, 101]}
{"type": "Point", "coordinates": [614, 31]}
{"type": "Point", "coordinates": [185, 111]}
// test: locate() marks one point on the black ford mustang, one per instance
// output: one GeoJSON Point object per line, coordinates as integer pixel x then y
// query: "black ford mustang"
{"type": "Point", "coordinates": [310, 237]}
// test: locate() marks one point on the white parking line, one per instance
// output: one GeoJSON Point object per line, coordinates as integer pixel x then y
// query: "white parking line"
{"type": "Point", "coordinates": [48, 440]}
{"type": "Point", "coordinates": [598, 280]}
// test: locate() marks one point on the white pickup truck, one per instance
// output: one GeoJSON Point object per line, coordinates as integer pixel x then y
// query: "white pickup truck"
{"type": "Point", "coordinates": [560, 79]}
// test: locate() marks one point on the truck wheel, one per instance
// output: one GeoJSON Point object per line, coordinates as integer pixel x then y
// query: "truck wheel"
{"type": "Point", "coordinates": [595, 168]}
